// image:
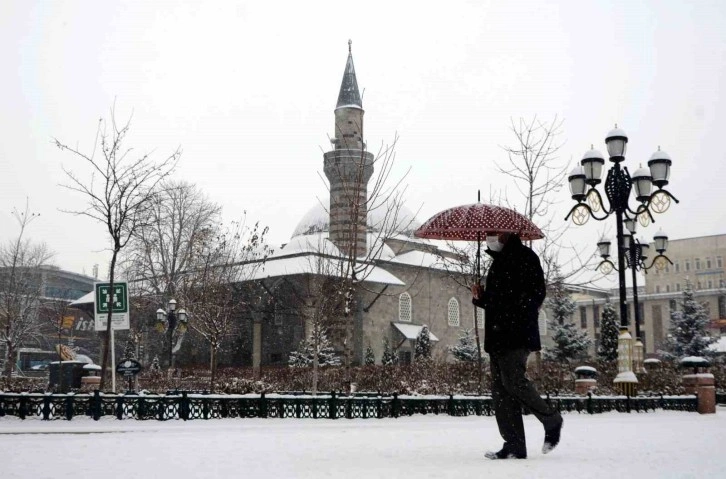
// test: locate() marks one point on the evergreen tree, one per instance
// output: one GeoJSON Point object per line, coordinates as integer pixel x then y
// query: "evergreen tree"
{"type": "Point", "coordinates": [389, 357]}
{"type": "Point", "coordinates": [465, 348]}
{"type": "Point", "coordinates": [130, 351]}
{"type": "Point", "coordinates": [305, 354]}
{"type": "Point", "coordinates": [570, 342]}
{"type": "Point", "coordinates": [609, 331]}
{"type": "Point", "coordinates": [155, 364]}
{"type": "Point", "coordinates": [688, 334]}
{"type": "Point", "coordinates": [370, 358]}
{"type": "Point", "coordinates": [423, 344]}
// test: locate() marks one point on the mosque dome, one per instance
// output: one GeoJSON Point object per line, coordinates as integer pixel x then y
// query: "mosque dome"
{"type": "Point", "coordinates": [317, 220]}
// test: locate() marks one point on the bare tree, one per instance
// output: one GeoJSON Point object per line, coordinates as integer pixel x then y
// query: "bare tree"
{"type": "Point", "coordinates": [539, 174]}
{"type": "Point", "coordinates": [119, 192]}
{"type": "Point", "coordinates": [164, 246]}
{"type": "Point", "coordinates": [21, 288]}
{"type": "Point", "coordinates": [211, 292]}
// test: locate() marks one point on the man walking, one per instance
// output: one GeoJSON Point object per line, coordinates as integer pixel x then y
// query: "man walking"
{"type": "Point", "coordinates": [515, 290]}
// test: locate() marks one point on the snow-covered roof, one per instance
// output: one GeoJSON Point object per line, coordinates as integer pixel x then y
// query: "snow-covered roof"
{"type": "Point", "coordinates": [312, 263]}
{"type": "Point", "coordinates": [719, 346]}
{"type": "Point", "coordinates": [694, 359]}
{"type": "Point", "coordinates": [85, 299]}
{"type": "Point", "coordinates": [419, 258]}
{"type": "Point", "coordinates": [411, 331]}
{"type": "Point", "coordinates": [585, 368]}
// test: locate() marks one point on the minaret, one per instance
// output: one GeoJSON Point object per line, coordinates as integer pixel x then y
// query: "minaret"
{"type": "Point", "coordinates": [348, 168]}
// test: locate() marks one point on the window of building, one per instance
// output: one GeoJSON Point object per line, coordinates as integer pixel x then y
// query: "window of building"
{"type": "Point", "coordinates": [596, 315]}
{"type": "Point", "coordinates": [583, 317]}
{"type": "Point", "coordinates": [404, 357]}
{"type": "Point", "coordinates": [657, 315]}
{"type": "Point", "coordinates": [479, 317]}
{"type": "Point", "coordinates": [676, 265]}
{"type": "Point", "coordinates": [678, 286]}
{"type": "Point", "coordinates": [719, 262]}
{"type": "Point", "coordinates": [668, 268]}
{"type": "Point", "coordinates": [673, 305]}
{"type": "Point", "coordinates": [698, 285]}
{"type": "Point", "coordinates": [708, 263]}
{"type": "Point", "coordinates": [668, 288]}
{"type": "Point", "coordinates": [698, 264]}
{"type": "Point", "coordinates": [404, 308]}
{"type": "Point", "coordinates": [688, 265]}
{"type": "Point", "coordinates": [722, 307]}
{"type": "Point", "coordinates": [454, 312]}
{"type": "Point", "coordinates": [657, 288]}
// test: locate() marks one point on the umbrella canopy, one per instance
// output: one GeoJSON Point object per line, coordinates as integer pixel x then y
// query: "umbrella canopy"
{"type": "Point", "coordinates": [473, 222]}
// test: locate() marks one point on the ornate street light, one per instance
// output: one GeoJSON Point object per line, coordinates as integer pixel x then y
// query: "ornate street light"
{"type": "Point", "coordinates": [169, 320]}
{"type": "Point", "coordinates": [618, 186]}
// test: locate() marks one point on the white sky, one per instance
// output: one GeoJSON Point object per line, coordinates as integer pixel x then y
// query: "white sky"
{"type": "Point", "coordinates": [662, 444]}
{"type": "Point", "coordinates": [248, 91]}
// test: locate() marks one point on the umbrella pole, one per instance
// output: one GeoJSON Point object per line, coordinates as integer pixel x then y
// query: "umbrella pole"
{"type": "Point", "coordinates": [476, 316]}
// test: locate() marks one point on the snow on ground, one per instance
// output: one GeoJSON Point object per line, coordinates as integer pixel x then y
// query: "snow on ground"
{"type": "Point", "coordinates": [663, 444]}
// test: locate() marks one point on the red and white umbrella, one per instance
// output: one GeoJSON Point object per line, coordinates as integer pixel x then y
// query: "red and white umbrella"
{"type": "Point", "coordinates": [475, 221]}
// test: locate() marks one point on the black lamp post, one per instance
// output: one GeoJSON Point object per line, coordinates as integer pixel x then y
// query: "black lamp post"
{"type": "Point", "coordinates": [168, 321]}
{"type": "Point", "coordinates": [637, 256]}
{"type": "Point", "coordinates": [618, 186]}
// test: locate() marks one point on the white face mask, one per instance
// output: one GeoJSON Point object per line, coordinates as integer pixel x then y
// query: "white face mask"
{"type": "Point", "coordinates": [494, 244]}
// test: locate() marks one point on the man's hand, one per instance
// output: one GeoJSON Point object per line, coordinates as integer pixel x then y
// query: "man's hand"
{"type": "Point", "coordinates": [476, 290]}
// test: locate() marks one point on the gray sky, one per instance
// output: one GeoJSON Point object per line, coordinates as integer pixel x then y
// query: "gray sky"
{"type": "Point", "coordinates": [248, 91]}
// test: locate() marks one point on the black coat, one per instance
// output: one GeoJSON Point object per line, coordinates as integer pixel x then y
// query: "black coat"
{"type": "Point", "coordinates": [515, 290]}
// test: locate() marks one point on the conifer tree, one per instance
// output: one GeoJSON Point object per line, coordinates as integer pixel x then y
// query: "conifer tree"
{"type": "Point", "coordinates": [570, 342]}
{"type": "Point", "coordinates": [155, 364]}
{"type": "Point", "coordinates": [688, 334]}
{"type": "Point", "coordinates": [423, 344]}
{"type": "Point", "coordinates": [389, 357]}
{"type": "Point", "coordinates": [370, 358]}
{"type": "Point", "coordinates": [609, 331]}
{"type": "Point", "coordinates": [305, 354]}
{"type": "Point", "coordinates": [130, 351]}
{"type": "Point", "coordinates": [465, 348]}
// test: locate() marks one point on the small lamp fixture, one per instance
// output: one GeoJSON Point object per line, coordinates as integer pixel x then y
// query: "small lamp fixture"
{"type": "Point", "coordinates": [631, 225]}
{"type": "Point", "coordinates": [660, 168]}
{"type": "Point", "coordinates": [604, 247]}
{"type": "Point", "coordinates": [643, 182]}
{"type": "Point", "coordinates": [183, 320]}
{"type": "Point", "coordinates": [160, 320]}
{"type": "Point", "coordinates": [592, 163]}
{"type": "Point", "coordinates": [172, 305]}
{"type": "Point", "coordinates": [577, 183]}
{"type": "Point", "coordinates": [661, 241]}
{"type": "Point", "coordinates": [616, 142]}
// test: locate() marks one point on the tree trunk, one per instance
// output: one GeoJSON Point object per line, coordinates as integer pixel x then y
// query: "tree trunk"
{"type": "Point", "coordinates": [213, 366]}
{"type": "Point", "coordinates": [9, 361]}
{"type": "Point", "coordinates": [107, 340]}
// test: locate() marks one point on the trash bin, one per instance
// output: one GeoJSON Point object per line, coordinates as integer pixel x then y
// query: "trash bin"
{"type": "Point", "coordinates": [65, 375]}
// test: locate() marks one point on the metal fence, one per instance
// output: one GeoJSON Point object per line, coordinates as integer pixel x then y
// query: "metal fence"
{"type": "Point", "coordinates": [188, 406]}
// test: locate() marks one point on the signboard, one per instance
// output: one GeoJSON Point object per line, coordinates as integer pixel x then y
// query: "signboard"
{"type": "Point", "coordinates": [117, 301]}
{"type": "Point", "coordinates": [129, 367]}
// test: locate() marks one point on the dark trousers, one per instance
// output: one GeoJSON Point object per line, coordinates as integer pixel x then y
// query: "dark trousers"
{"type": "Point", "coordinates": [510, 391]}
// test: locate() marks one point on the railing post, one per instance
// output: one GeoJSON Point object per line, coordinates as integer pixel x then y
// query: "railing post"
{"type": "Point", "coordinates": [332, 408]}
{"type": "Point", "coordinates": [589, 403]}
{"type": "Point", "coordinates": [69, 407]}
{"type": "Point", "coordinates": [452, 412]}
{"type": "Point", "coordinates": [120, 408]}
{"type": "Point", "coordinates": [46, 407]}
{"type": "Point", "coordinates": [262, 408]}
{"type": "Point", "coordinates": [379, 407]}
{"type": "Point", "coordinates": [205, 408]}
{"type": "Point", "coordinates": [394, 405]}
{"type": "Point", "coordinates": [96, 405]}
{"type": "Point", "coordinates": [2, 405]}
{"type": "Point", "coordinates": [161, 405]}
{"type": "Point", "coordinates": [184, 406]}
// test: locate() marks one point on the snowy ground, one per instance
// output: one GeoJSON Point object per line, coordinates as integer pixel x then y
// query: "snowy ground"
{"type": "Point", "coordinates": [662, 445]}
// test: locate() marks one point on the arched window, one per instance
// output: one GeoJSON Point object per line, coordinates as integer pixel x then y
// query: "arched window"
{"type": "Point", "coordinates": [454, 312]}
{"type": "Point", "coordinates": [479, 317]}
{"type": "Point", "coordinates": [404, 308]}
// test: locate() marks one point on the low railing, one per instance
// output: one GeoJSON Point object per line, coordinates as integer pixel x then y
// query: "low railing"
{"type": "Point", "coordinates": [323, 406]}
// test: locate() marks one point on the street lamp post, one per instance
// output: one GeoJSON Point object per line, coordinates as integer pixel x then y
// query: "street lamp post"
{"type": "Point", "coordinates": [618, 186]}
{"type": "Point", "coordinates": [637, 256]}
{"type": "Point", "coordinates": [169, 320]}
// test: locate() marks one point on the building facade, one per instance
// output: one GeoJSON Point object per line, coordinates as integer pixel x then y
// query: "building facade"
{"type": "Point", "coordinates": [697, 263]}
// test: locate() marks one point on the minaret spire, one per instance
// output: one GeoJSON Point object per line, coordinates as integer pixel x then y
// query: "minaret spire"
{"type": "Point", "coordinates": [349, 95]}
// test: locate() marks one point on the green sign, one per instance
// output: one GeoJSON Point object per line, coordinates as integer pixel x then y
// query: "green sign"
{"type": "Point", "coordinates": [117, 301]}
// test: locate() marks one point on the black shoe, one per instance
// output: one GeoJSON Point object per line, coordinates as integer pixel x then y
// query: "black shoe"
{"type": "Point", "coordinates": [505, 454]}
{"type": "Point", "coordinates": [552, 436]}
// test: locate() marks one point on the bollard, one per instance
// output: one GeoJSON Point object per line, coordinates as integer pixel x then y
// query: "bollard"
{"type": "Point", "coordinates": [701, 383]}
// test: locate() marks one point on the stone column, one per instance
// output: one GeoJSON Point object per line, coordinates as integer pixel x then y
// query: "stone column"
{"type": "Point", "coordinates": [256, 343]}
